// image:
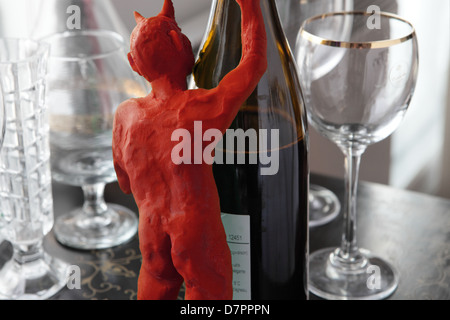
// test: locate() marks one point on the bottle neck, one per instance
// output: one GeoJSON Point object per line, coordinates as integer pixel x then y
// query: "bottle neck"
{"type": "Point", "coordinates": [222, 42]}
{"type": "Point", "coordinates": [228, 13]}
{"type": "Point", "coordinates": [228, 17]}
{"type": "Point", "coordinates": [278, 94]}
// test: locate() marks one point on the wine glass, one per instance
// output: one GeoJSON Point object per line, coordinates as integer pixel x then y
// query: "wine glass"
{"type": "Point", "coordinates": [324, 205]}
{"type": "Point", "coordinates": [89, 76]}
{"type": "Point", "coordinates": [358, 103]}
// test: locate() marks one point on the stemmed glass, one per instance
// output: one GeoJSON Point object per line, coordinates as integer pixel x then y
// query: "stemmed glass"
{"type": "Point", "coordinates": [26, 201]}
{"type": "Point", "coordinates": [324, 205]}
{"type": "Point", "coordinates": [89, 76]}
{"type": "Point", "coordinates": [361, 101]}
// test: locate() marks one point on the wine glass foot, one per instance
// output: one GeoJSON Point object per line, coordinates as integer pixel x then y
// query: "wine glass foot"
{"type": "Point", "coordinates": [369, 278]}
{"type": "Point", "coordinates": [324, 206]}
{"type": "Point", "coordinates": [38, 279]}
{"type": "Point", "coordinates": [113, 227]}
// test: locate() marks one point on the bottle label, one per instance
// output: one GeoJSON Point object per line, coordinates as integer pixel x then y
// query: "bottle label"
{"type": "Point", "coordinates": [237, 229]}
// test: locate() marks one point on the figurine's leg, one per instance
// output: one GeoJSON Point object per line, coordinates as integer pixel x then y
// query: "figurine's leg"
{"type": "Point", "coordinates": [201, 255]}
{"type": "Point", "coordinates": [158, 279]}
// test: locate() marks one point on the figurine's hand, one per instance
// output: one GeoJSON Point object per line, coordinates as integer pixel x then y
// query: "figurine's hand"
{"type": "Point", "coordinates": [239, 83]}
{"type": "Point", "coordinates": [243, 2]}
{"type": "Point", "coordinates": [247, 2]}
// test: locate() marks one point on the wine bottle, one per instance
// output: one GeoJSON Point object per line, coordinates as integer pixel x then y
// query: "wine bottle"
{"type": "Point", "coordinates": [264, 189]}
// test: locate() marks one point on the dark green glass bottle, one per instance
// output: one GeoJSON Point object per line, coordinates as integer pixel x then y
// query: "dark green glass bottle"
{"type": "Point", "coordinates": [262, 183]}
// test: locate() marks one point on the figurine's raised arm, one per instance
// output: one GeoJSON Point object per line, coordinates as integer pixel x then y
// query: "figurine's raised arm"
{"type": "Point", "coordinates": [238, 84]}
{"type": "Point", "coordinates": [220, 105]}
{"type": "Point", "coordinates": [181, 235]}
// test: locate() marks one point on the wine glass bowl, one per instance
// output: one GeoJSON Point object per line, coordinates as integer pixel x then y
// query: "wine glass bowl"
{"type": "Point", "coordinates": [376, 68]}
{"type": "Point", "coordinates": [83, 106]}
{"type": "Point", "coordinates": [89, 76]}
{"type": "Point", "coordinates": [361, 100]}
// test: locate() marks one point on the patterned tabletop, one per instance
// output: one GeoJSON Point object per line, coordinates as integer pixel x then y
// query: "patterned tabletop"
{"type": "Point", "coordinates": [410, 230]}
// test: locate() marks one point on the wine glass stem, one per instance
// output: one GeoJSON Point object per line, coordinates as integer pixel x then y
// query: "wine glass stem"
{"type": "Point", "coordinates": [349, 248]}
{"type": "Point", "coordinates": [94, 203]}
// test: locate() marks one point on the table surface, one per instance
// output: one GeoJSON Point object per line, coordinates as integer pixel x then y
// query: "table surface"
{"type": "Point", "coordinates": [410, 230]}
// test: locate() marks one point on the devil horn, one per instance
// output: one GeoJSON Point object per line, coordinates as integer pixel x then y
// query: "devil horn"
{"type": "Point", "coordinates": [168, 10]}
{"type": "Point", "coordinates": [138, 17]}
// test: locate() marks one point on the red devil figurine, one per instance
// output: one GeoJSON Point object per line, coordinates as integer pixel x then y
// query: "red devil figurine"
{"type": "Point", "coordinates": [180, 230]}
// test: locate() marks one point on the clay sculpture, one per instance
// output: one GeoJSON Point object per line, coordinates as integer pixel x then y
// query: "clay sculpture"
{"type": "Point", "coordinates": [180, 230]}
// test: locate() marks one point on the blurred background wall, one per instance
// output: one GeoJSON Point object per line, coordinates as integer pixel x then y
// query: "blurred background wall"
{"type": "Point", "coordinates": [415, 157]}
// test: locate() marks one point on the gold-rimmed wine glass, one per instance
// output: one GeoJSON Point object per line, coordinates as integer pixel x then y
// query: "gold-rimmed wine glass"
{"type": "Point", "coordinates": [360, 101]}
